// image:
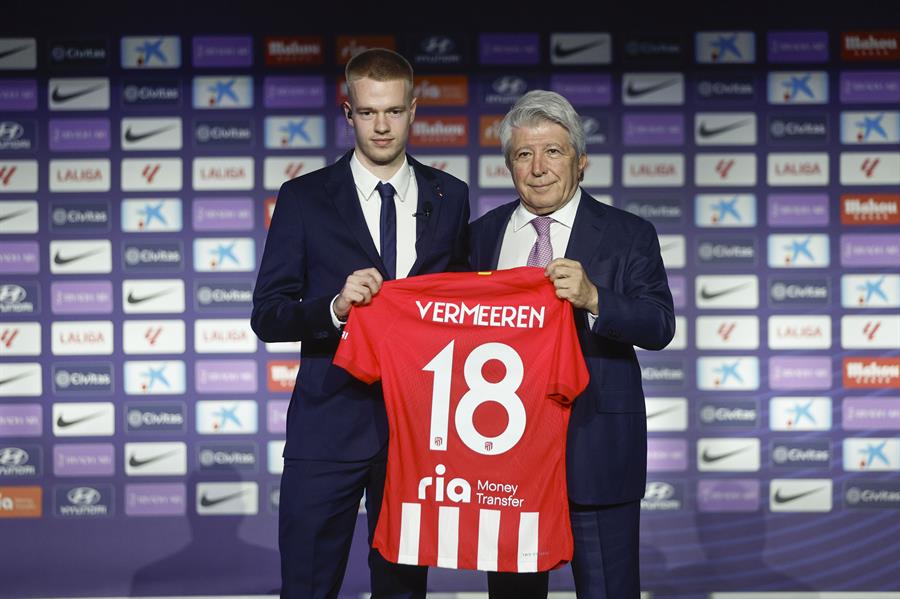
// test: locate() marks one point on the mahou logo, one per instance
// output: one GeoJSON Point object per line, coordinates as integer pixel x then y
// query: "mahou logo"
{"type": "Point", "coordinates": [870, 45]}
{"type": "Point", "coordinates": [870, 209]}
{"type": "Point", "coordinates": [872, 373]}
{"type": "Point", "coordinates": [440, 131]}
{"type": "Point", "coordinates": [292, 51]}
{"type": "Point", "coordinates": [282, 375]}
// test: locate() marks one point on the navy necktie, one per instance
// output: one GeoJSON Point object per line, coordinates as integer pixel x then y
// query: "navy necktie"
{"type": "Point", "coordinates": [388, 229]}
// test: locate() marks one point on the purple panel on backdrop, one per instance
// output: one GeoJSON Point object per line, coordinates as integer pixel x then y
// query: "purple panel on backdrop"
{"type": "Point", "coordinates": [871, 413]}
{"type": "Point", "coordinates": [798, 210]}
{"type": "Point", "coordinates": [488, 203]}
{"type": "Point", "coordinates": [343, 134]}
{"type": "Point", "coordinates": [583, 90]}
{"type": "Point", "coordinates": [666, 455]}
{"type": "Point", "coordinates": [223, 51]}
{"type": "Point", "coordinates": [68, 135]}
{"type": "Point", "coordinates": [20, 257]}
{"type": "Point", "coordinates": [870, 249]}
{"type": "Point", "coordinates": [226, 376]}
{"type": "Point", "coordinates": [870, 86]}
{"type": "Point", "coordinates": [223, 214]}
{"type": "Point", "coordinates": [21, 420]}
{"type": "Point", "coordinates": [165, 499]}
{"type": "Point", "coordinates": [800, 372]}
{"type": "Point", "coordinates": [798, 46]}
{"type": "Point", "coordinates": [294, 92]}
{"type": "Point", "coordinates": [650, 129]}
{"type": "Point", "coordinates": [84, 459]}
{"type": "Point", "coordinates": [728, 495]}
{"type": "Point", "coordinates": [509, 48]}
{"type": "Point", "coordinates": [18, 94]}
{"type": "Point", "coordinates": [81, 297]}
{"type": "Point", "coordinates": [276, 421]}
{"type": "Point", "coordinates": [678, 286]}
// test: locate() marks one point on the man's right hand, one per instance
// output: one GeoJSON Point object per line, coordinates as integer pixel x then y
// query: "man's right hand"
{"type": "Point", "coordinates": [359, 289]}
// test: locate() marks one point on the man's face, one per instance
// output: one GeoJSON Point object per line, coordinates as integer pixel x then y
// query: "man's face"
{"type": "Point", "coordinates": [543, 166]}
{"type": "Point", "coordinates": [380, 114]}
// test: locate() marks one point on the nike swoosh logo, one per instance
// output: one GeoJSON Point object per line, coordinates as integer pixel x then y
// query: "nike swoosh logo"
{"type": "Point", "coordinates": [711, 458]}
{"type": "Point", "coordinates": [707, 294]}
{"type": "Point", "coordinates": [779, 498]}
{"type": "Point", "coordinates": [14, 214]}
{"type": "Point", "coordinates": [661, 412]}
{"type": "Point", "coordinates": [209, 502]}
{"type": "Point", "coordinates": [135, 462]}
{"type": "Point", "coordinates": [59, 260]}
{"type": "Point", "coordinates": [707, 132]}
{"type": "Point", "coordinates": [636, 92]}
{"type": "Point", "coordinates": [133, 299]}
{"type": "Point", "coordinates": [14, 378]}
{"type": "Point", "coordinates": [563, 52]}
{"type": "Point", "coordinates": [669, 246]}
{"type": "Point", "coordinates": [12, 51]}
{"type": "Point", "coordinates": [60, 97]}
{"type": "Point", "coordinates": [133, 137]}
{"type": "Point", "coordinates": [63, 423]}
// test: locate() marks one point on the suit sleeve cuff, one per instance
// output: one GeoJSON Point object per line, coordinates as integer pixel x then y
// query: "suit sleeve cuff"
{"type": "Point", "coordinates": [338, 324]}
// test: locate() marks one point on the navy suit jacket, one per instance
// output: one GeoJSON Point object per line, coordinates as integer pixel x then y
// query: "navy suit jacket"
{"type": "Point", "coordinates": [317, 237]}
{"type": "Point", "coordinates": [606, 453]}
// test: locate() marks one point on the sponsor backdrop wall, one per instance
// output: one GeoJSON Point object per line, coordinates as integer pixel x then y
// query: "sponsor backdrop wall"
{"type": "Point", "coordinates": [141, 422]}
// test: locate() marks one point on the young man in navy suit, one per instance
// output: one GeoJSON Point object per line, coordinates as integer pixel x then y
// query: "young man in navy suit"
{"type": "Point", "coordinates": [336, 235]}
{"type": "Point", "coordinates": [607, 263]}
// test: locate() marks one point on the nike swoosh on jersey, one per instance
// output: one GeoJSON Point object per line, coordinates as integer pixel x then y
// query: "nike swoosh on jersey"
{"type": "Point", "coordinates": [63, 423]}
{"type": "Point", "coordinates": [779, 498]}
{"type": "Point", "coordinates": [661, 412]}
{"type": "Point", "coordinates": [209, 502]}
{"type": "Point", "coordinates": [563, 52]}
{"type": "Point", "coordinates": [135, 462]}
{"type": "Point", "coordinates": [705, 132]}
{"type": "Point", "coordinates": [636, 92]}
{"type": "Point", "coordinates": [14, 214]}
{"type": "Point", "coordinates": [132, 137]}
{"type": "Point", "coordinates": [57, 259]}
{"type": "Point", "coordinates": [706, 294]}
{"type": "Point", "coordinates": [133, 299]}
{"type": "Point", "coordinates": [12, 51]}
{"type": "Point", "coordinates": [711, 458]}
{"type": "Point", "coordinates": [60, 97]}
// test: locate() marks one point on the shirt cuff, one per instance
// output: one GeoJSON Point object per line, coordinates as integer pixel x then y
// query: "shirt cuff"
{"type": "Point", "coordinates": [338, 324]}
{"type": "Point", "coordinates": [591, 319]}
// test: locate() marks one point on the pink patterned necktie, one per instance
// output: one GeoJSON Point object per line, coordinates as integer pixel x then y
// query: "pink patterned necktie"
{"type": "Point", "coordinates": [541, 252]}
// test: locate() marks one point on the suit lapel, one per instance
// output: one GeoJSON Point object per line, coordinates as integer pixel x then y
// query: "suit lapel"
{"type": "Point", "coordinates": [428, 205]}
{"type": "Point", "coordinates": [587, 240]}
{"type": "Point", "coordinates": [342, 191]}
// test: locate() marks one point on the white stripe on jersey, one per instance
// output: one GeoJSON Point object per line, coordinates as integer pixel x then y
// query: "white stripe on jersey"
{"type": "Point", "coordinates": [488, 539]}
{"type": "Point", "coordinates": [448, 537]}
{"type": "Point", "coordinates": [410, 517]}
{"type": "Point", "coordinates": [528, 541]}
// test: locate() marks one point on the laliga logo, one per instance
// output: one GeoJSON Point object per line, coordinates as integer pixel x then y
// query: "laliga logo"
{"type": "Point", "coordinates": [150, 171]}
{"type": "Point", "coordinates": [293, 169]}
{"type": "Point", "coordinates": [723, 167]}
{"type": "Point", "coordinates": [6, 173]}
{"type": "Point", "coordinates": [868, 166]}
{"type": "Point", "coordinates": [457, 490]}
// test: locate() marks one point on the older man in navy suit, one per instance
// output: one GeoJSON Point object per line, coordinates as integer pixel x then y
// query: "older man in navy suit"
{"type": "Point", "coordinates": [607, 263]}
{"type": "Point", "coordinates": [336, 235]}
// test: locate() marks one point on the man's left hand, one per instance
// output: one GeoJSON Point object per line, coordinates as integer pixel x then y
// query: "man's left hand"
{"type": "Point", "coordinates": [572, 284]}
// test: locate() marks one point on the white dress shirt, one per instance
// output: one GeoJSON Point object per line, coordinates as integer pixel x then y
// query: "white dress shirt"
{"type": "Point", "coordinates": [406, 201]}
{"type": "Point", "coordinates": [520, 236]}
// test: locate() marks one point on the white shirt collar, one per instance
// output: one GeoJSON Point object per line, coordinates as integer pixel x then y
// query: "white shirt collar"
{"type": "Point", "coordinates": [366, 181]}
{"type": "Point", "coordinates": [564, 216]}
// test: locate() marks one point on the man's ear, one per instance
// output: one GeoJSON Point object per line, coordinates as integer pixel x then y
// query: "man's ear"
{"type": "Point", "coordinates": [348, 112]}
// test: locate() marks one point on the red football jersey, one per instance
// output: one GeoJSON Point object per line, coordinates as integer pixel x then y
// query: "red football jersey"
{"type": "Point", "coordinates": [478, 371]}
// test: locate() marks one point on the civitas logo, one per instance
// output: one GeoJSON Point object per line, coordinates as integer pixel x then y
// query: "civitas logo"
{"type": "Point", "coordinates": [156, 256]}
{"type": "Point", "coordinates": [661, 496]}
{"type": "Point", "coordinates": [155, 418]}
{"type": "Point", "coordinates": [801, 454]}
{"type": "Point", "coordinates": [872, 494]}
{"type": "Point", "coordinates": [741, 414]}
{"type": "Point", "coordinates": [17, 461]}
{"type": "Point", "coordinates": [82, 378]}
{"type": "Point", "coordinates": [225, 457]}
{"type": "Point", "coordinates": [800, 495]}
{"type": "Point", "coordinates": [151, 93]}
{"type": "Point", "coordinates": [870, 291]}
{"type": "Point", "coordinates": [224, 295]}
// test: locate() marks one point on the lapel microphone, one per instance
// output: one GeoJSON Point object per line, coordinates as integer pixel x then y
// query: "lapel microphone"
{"type": "Point", "coordinates": [426, 211]}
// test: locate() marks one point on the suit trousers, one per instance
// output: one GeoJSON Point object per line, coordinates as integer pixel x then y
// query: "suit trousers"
{"type": "Point", "coordinates": [605, 564]}
{"type": "Point", "coordinates": [317, 514]}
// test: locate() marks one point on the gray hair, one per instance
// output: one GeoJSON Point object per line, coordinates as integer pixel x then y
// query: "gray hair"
{"type": "Point", "coordinates": [541, 105]}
